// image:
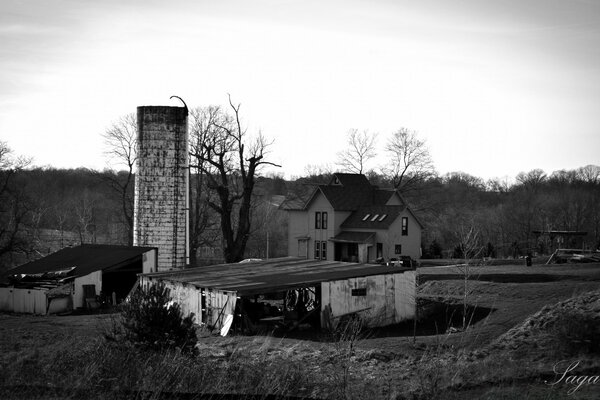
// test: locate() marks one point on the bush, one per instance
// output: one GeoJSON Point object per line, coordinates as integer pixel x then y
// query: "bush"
{"type": "Point", "coordinates": [152, 319]}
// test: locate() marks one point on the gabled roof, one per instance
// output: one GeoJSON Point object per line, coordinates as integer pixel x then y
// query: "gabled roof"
{"type": "Point", "coordinates": [344, 179]}
{"type": "Point", "coordinates": [374, 217]}
{"type": "Point", "coordinates": [82, 260]}
{"type": "Point", "coordinates": [349, 198]}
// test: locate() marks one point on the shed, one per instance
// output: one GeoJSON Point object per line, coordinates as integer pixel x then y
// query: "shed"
{"type": "Point", "coordinates": [291, 290]}
{"type": "Point", "coordinates": [63, 280]}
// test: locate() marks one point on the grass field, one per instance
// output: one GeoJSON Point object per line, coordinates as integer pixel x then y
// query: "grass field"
{"type": "Point", "coordinates": [527, 325]}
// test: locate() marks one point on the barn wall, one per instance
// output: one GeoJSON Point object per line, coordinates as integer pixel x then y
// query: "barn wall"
{"type": "Point", "coordinates": [59, 304]}
{"type": "Point", "coordinates": [29, 301]}
{"type": "Point", "coordinates": [95, 278]}
{"type": "Point", "coordinates": [189, 297]}
{"type": "Point", "coordinates": [6, 299]}
{"type": "Point", "coordinates": [219, 304]}
{"type": "Point", "coordinates": [388, 299]}
{"type": "Point", "coordinates": [149, 262]}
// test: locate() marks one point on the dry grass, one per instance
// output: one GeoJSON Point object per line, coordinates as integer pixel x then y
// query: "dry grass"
{"type": "Point", "coordinates": [514, 354]}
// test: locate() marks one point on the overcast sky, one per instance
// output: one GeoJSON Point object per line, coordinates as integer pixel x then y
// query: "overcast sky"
{"type": "Point", "coordinates": [495, 87]}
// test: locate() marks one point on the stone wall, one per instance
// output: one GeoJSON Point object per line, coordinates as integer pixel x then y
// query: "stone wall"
{"type": "Point", "coordinates": [161, 184]}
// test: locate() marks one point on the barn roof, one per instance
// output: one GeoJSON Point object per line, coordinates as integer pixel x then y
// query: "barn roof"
{"type": "Point", "coordinates": [271, 275]}
{"type": "Point", "coordinates": [82, 260]}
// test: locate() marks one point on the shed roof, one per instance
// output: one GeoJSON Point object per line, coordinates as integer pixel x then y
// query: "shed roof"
{"type": "Point", "coordinates": [83, 259]}
{"type": "Point", "coordinates": [271, 275]}
{"type": "Point", "coordinates": [353, 237]}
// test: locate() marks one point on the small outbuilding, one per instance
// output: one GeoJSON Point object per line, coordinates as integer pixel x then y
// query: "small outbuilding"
{"type": "Point", "coordinates": [75, 277]}
{"type": "Point", "coordinates": [291, 291]}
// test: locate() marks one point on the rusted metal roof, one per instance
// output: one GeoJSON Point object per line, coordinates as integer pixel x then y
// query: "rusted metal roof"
{"type": "Point", "coordinates": [271, 275]}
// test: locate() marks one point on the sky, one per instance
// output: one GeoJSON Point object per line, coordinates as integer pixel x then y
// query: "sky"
{"type": "Point", "coordinates": [494, 87]}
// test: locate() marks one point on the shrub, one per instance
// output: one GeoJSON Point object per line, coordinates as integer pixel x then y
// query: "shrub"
{"type": "Point", "coordinates": [152, 319]}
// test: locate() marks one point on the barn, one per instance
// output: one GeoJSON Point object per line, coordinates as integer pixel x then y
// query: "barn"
{"type": "Point", "coordinates": [290, 292]}
{"type": "Point", "coordinates": [75, 277]}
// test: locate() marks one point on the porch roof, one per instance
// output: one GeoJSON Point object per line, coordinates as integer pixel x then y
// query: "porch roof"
{"type": "Point", "coordinates": [353, 237]}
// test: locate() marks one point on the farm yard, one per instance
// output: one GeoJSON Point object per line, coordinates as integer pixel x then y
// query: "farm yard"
{"type": "Point", "coordinates": [525, 326]}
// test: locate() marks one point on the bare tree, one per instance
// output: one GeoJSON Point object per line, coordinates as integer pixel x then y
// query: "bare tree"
{"type": "Point", "coordinates": [471, 251]}
{"type": "Point", "coordinates": [361, 149]}
{"type": "Point", "coordinates": [589, 174]}
{"type": "Point", "coordinates": [409, 160]}
{"type": "Point", "coordinates": [121, 147]}
{"type": "Point", "coordinates": [230, 160]}
{"type": "Point", "coordinates": [14, 207]}
{"type": "Point", "coordinates": [202, 123]}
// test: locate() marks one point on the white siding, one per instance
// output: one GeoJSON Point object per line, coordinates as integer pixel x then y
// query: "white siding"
{"type": "Point", "coordinates": [389, 298]}
{"type": "Point", "coordinates": [29, 301]}
{"type": "Point", "coordinates": [95, 278]}
{"type": "Point", "coordinates": [149, 260]}
{"type": "Point", "coordinates": [218, 303]}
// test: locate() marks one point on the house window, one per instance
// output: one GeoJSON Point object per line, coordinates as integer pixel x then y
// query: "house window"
{"type": "Point", "coordinates": [324, 220]}
{"type": "Point", "coordinates": [404, 226]}
{"type": "Point", "coordinates": [317, 249]}
{"type": "Point", "coordinates": [379, 250]}
{"type": "Point", "coordinates": [323, 250]}
{"type": "Point", "coordinates": [318, 220]}
{"type": "Point", "coordinates": [398, 249]}
{"type": "Point", "coordinates": [359, 292]}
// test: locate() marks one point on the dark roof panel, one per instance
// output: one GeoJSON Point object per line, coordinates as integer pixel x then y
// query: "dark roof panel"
{"type": "Point", "coordinates": [344, 198]}
{"type": "Point", "coordinates": [351, 179]}
{"type": "Point", "coordinates": [353, 237]}
{"type": "Point", "coordinates": [85, 259]}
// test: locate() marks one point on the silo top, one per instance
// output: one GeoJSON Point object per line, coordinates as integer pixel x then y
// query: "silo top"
{"type": "Point", "coordinates": [161, 114]}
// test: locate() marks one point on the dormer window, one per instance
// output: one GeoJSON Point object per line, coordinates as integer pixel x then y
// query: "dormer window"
{"type": "Point", "coordinates": [366, 217]}
{"type": "Point", "coordinates": [374, 217]}
{"type": "Point", "coordinates": [382, 217]}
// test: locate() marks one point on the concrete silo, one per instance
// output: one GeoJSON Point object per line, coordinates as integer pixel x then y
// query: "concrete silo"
{"type": "Point", "coordinates": [161, 184]}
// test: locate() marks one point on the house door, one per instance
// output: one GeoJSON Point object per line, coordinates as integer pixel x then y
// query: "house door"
{"type": "Point", "coordinates": [303, 248]}
{"type": "Point", "coordinates": [379, 250]}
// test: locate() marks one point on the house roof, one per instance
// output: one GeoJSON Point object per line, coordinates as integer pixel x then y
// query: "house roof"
{"type": "Point", "coordinates": [374, 217]}
{"type": "Point", "coordinates": [349, 198]}
{"type": "Point", "coordinates": [81, 260]}
{"type": "Point", "coordinates": [271, 275]}
{"type": "Point", "coordinates": [350, 179]}
{"type": "Point", "coordinates": [353, 237]}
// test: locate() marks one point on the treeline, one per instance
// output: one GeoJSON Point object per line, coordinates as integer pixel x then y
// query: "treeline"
{"type": "Point", "coordinates": [499, 218]}
{"type": "Point", "coordinates": [45, 209]}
